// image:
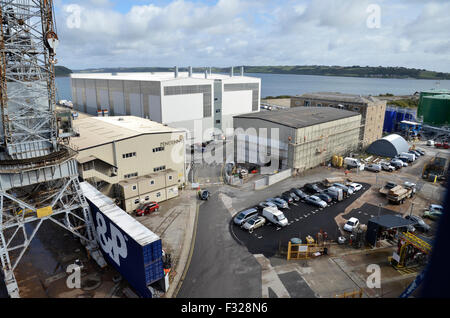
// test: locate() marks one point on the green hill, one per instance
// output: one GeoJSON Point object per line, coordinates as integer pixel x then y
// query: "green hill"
{"type": "Point", "coordinates": [62, 71]}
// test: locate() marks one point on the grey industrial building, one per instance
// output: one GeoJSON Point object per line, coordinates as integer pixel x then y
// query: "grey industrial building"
{"type": "Point", "coordinates": [389, 146]}
{"type": "Point", "coordinates": [304, 137]}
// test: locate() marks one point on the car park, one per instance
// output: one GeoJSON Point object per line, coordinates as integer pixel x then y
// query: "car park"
{"type": "Point", "coordinates": [355, 187]}
{"type": "Point", "coordinates": [386, 166]}
{"type": "Point", "coordinates": [351, 224]}
{"type": "Point", "coordinates": [373, 167]}
{"type": "Point", "coordinates": [254, 223]}
{"type": "Point", "coordinates": [245, 215]}
{"type": "Point", "coordinates": [275, 216]}
{"type": "Point", "coordinates": [343, 187]}
{"type": "Point", "coordinates": [419, 223]}
{"type": "Point", "coordinates": [302, 195]}
{"type": "Point", "coordinates": [147, 208]}
{"type": "Point", "coordinates": [312, 188]}
{"type": "Point", "coordinates": [280, 203]}
{"type": "Point", "coordinates": [325, 197]}
{"type": "Point", "coordinates": [315, 200]}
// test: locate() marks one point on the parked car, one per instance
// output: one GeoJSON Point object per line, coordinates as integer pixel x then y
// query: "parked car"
{"type": "Point", "coordinates": [386, 166]}
{"type": "Point", "coordinates": [335, 193]}
{"type": "Point", "coordinates": [325, 197]}
{"type": "Point", "coordinates": [312, 188]}
{"type": "Point", "coordinates": [267, 204]}
{"type": "Point", "coordinates": [254, 223]}
{"type": "Point", "coordinates": [147, 208]}
{"type": "Point", "coordinates": [287, 197]}
{"type": "Point", "coordinates": [409, 157]}
{"type": "Point", "coordinates": [295, 197]}
{"type": "Point", "coordinates": [397, 163]}
{"type": "Point", "coordinates": [302, 195]}
{"type": "Point", "coordinates": [351, 162]}
{"type": "Point", "coordinates": [351, 224]}
{"type": "Point", "coordinates": [430, 143]}
{"type": "Point", "coordinates": [244, 216]}
{"type": "Point", "coordinates": [421, 151]}
{"type": "Point", "coordinates": [315, 200]}
{"type": "Point", "coordinates": [416, 153]}
{"type": "Point", "coordinates": [432, 215]}
{"type": "Point", "coordinates": [355, 187]}
{"type": "Point", "coordinates": [275, 216]}
{"type": "Point", "coordinates": [436, 207]}
{"type": "Point", "coordinates": [404, 159]}
{"type": "Point", "coordinates": [373, 167]}
{"type": "Point", "coordinates": [343, 187]}
{"type": "Point", "coordinates": [419, 223]}
{"type": "Point", "coordinates": [280, 203]}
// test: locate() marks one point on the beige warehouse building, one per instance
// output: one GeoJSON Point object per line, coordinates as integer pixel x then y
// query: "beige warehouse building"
{"type": "Point", "coordinates": [371, 109]}
{"type": "Point", "coordinates": [131, 159]}
{"type": "Point", "coordinates": [304, 137]}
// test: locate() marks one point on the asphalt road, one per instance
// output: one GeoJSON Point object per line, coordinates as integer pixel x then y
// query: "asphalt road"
{"type": "Point", "coordinates": [219, 266]}
{"type": "Point", "coordinates": [304, 219]}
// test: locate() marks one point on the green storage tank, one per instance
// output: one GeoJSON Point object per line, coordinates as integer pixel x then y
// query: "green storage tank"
{"type": "Point", "coordinates": [431, 92]}
{"type": "Point", "coordinates": [436, 110]}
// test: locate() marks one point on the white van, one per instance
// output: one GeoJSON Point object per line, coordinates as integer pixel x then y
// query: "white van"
{"type": "Point", "coordinates": [275, 216]}
{"type": "Point", "coordinates": [351, 162]}
{"type": "Point", "coordinates": [335, 193]}
{"type": "Point", "coordinates": [430, 143]}
{"type": "Point", "coordinates": [411, 157]}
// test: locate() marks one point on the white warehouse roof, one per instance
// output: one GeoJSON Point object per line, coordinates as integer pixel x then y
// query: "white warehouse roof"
{"type": "Point", "coordinates": [161, 76]}
{"type": "Point", "coordinates": [96, 131]}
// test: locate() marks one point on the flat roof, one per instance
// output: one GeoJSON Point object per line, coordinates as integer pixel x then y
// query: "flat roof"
{"type": "Point", "coordinates": [158, 76]}
{"type": "Point", "coordinates": [96, 131]}
{"type": "Point", "coordinates": [391, 221]}
{"type": "Point", "coordinates": [299, 117]}
{"type": "Point", "coordinates": [340, 97]}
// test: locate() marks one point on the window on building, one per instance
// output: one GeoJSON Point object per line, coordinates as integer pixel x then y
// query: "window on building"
{"type": "Point", "coordinates": [130, 175]}
{"type": "Point", "coordinates": [161, 168]}
{"type": "Point", "coordinates": [158, 149]}
{"type": "Point", "coordinates": [319, 105]}
{"type": "Point", "coordinates": [170, 178]}
{"type": "Point", "coordinates": [158, 194]}
{"type": "Point", "coordinates": [147, 198]}
{"type": "Point", "coordinates": [136, 201]}
{"type": "Point", "coordinates": [129, 155]}
{"type": "Point", "coordinates": [152, 182]}
{"type": "Point", "coordinates": [134, 187]}
{"type": "Point", "coordinates": [217, 111]}
{"type": "Point", "coordinates": [218, 121]}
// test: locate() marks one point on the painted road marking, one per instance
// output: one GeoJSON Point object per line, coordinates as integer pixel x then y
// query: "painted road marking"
{"type": "Point", "coordinates": [359, 212]}
{"type": "Point", "coordinates": [372, 216]}
{"type": "Point", "coordinates": [365, 213]}
{"type": "Point", "coordinates": [278, 228]}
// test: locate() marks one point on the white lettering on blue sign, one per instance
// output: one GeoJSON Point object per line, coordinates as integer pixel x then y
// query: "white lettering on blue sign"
{"type": "Point", "coordinates": [115, 246]}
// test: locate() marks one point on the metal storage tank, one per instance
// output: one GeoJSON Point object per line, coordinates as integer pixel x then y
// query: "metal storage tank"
{"type": "Point", "coordinates": [436, 110]}
{"type": "Point", "coordinates": [431, 92]}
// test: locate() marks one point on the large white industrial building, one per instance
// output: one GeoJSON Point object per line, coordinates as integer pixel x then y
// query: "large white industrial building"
{"type": "Point", "coordinates": [203, 102]}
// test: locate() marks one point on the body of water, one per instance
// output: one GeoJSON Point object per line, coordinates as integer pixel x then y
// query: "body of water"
{"type": "Point", "coordinates": [288, 84]}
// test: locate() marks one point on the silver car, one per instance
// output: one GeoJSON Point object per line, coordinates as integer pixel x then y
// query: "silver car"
{"type": "Point", "coordinates": [254, 223]}
{"type": "Point", "coordinates": [280, 203]}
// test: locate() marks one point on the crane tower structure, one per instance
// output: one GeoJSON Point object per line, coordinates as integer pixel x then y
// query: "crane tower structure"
{"type": "Point", "coordinates": [38, 172]}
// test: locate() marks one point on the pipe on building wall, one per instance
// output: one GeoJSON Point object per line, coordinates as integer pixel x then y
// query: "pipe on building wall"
{"type": "Point", "coordinates": [232, 71]}
{"type": "Point", "coordinates": [176, 71]}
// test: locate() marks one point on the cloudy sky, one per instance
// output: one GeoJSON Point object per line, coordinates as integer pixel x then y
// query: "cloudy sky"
{"type": "Point", "coordinates": [113, 33]}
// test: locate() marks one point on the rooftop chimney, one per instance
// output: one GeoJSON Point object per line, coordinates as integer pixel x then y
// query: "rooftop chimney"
{"type": "Point", "coordinates": [231, 71]}
{"type": "Point", "coordinates": [190, 71]}
{"type": "Point", "coordinates": [242, 71]}
{"type": "Point", "coordinates": [176, 71]}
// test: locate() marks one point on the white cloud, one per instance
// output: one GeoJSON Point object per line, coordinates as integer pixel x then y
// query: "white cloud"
{"type": "Point", "coordinates": [252, 32]}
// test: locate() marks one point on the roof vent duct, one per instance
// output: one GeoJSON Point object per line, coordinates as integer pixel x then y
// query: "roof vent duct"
{"type": "Point", "coordinates": [190, 71]}
{"type": "Point", "coordinates": [232, 71]}
{"type": "Point", "coordinates": [206, 73]}
{"type": "Point", "coordinates": [176, 71]}
{"type": "Point", "coordinates": [242, 71]}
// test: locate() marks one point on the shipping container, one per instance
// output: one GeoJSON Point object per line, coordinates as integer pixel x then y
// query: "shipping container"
{"type": "Point", "coordinates": [127, 245]}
